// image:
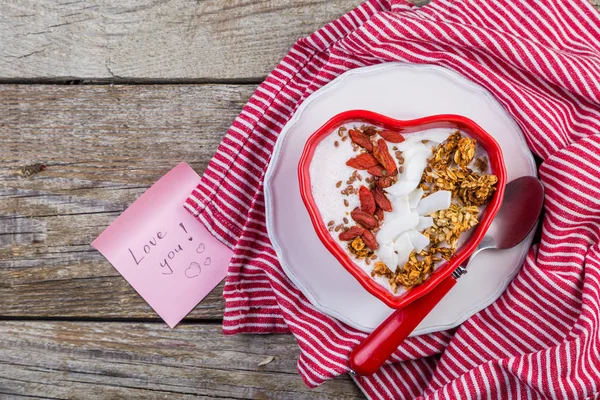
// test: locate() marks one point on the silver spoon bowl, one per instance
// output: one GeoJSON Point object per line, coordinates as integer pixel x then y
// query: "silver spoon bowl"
{"type": "Point", "coordinates": [520, 210]}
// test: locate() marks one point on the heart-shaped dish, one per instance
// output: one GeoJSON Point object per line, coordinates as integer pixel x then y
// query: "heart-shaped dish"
{"type": "Point", "coordinates": [405, 127]}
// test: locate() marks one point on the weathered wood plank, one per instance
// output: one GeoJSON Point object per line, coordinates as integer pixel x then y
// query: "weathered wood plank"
{"type": "Point", "coordinates": [124, 360]}
{"type": "Point", "coordinates": [174, 39]}
{"type": "Point", "coordinates": [103, 147]}
{"type": "Point", "coordinates": [166, 40]}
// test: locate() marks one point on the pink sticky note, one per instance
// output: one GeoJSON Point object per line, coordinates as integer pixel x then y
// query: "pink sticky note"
{"type": "Point", "coordinates": [168, 257]}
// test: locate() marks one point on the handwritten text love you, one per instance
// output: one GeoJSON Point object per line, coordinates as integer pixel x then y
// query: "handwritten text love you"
{"type": "Point", "coordinates": [155, 244]}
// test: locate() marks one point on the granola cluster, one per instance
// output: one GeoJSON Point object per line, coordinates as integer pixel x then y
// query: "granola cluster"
{"type": "Point", "coordinates": [416, 270]}
{"type": "Point", "coordinates": [358, 249]}
{"type": "Point", "coordinates": [444, 153]}
{"type": "Point", "coordinates": [477, 189]}
{"type": "Point", "coordinates": [447, 170]}
{"type": "Point", "coordinates": [465, 151]}
{"type": "Point", "coordinates": [441, 173]}
{"type": "Point", "coordinates": [449, 224]}
{"type": "Point", "coordinates": [457, 148]}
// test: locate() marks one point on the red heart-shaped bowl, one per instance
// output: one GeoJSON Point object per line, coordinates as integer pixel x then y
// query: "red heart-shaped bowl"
{"type": "Point", "coordinates": [406, 127]}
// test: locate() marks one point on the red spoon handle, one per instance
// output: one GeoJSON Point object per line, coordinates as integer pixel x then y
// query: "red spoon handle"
{"type": "Point", "coordinates": [367, 357]}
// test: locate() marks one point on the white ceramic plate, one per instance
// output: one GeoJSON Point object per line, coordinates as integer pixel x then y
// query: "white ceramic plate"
{"type": "Point", "coordinates": [401, 91]}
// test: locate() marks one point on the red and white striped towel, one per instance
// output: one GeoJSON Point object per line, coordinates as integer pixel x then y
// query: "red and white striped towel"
{"type": "Point", "coordinates": [541, 59]}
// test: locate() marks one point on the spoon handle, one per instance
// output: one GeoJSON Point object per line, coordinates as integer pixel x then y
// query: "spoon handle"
{"type": "Point", "coordinates": [367, 357]}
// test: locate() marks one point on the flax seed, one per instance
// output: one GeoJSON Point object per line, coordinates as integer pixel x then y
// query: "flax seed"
{"type": "Point", "coordinates": [337, 185]}
{"type": "Point", "coordinates": [346, 204]}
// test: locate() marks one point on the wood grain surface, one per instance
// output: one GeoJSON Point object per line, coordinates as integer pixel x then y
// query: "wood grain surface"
{"type": "Point", "coordinates": [91, 360]}
{"type": "Point", "coordinates": [207, 40]}
{"type": "Point", "coordinates": [102, 146]}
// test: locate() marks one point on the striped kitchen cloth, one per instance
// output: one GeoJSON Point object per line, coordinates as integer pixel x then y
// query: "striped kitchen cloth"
{"type": "Point", "coordinates": [541, 60]}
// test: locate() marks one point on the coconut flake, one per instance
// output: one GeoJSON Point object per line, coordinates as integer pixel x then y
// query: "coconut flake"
{"type": "Point", "coordinates": [434, 135]}
{"type": "Point", "coordinates": [400, 207]}
{"type": "Point", "coordinates": [418, 240]}
{"type": "Point", "coordinates": [403, 247]}
{"type": "Point", "coordinates": [436, 201]}
{"type": "Point", "coordinates": [387, 255]}
{"type": "Point", "coordinates": [416, 161]}
{"type": "Point", "coordinates": [403, 186]}
{"type": "Point", "coordinates": [393, 227]}
{"type": "Point", "coordinates": [414, 197]}
{"type": "Point", "coordinates": [424, 223]}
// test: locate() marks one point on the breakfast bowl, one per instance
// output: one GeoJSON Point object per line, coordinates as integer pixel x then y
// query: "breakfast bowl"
{"type": "Point", "coordinates": [324, 149]}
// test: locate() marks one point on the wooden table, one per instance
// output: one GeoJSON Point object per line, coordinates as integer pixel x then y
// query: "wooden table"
{"type": "Point", "coordinates": [109, 95]}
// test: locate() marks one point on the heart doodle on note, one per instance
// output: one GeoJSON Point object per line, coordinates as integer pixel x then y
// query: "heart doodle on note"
{"type": "Point", "coordinates": [200, 249]}
{"type": "Point", "coordinates": [193, 270]}
{"type": "Point", "coordinates": [207, 261]}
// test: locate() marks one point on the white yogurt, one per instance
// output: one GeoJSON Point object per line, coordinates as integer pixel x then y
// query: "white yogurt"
{"type": "Point", "coordinates": [328, 167]}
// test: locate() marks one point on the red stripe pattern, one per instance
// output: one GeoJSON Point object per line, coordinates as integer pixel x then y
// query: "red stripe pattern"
{"type": "Point", "coordinates": [541, 60]}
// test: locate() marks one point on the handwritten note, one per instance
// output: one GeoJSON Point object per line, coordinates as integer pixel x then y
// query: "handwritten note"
{"type": "Point", "coordinates": [168, 257]}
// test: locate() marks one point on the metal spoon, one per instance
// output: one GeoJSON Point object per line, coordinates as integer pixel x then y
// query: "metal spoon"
{"type": "Point", "coordinates": [520, 210]}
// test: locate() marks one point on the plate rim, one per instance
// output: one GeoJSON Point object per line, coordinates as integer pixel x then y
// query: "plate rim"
{"type": "Point", "coordinates": [276, 157]}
